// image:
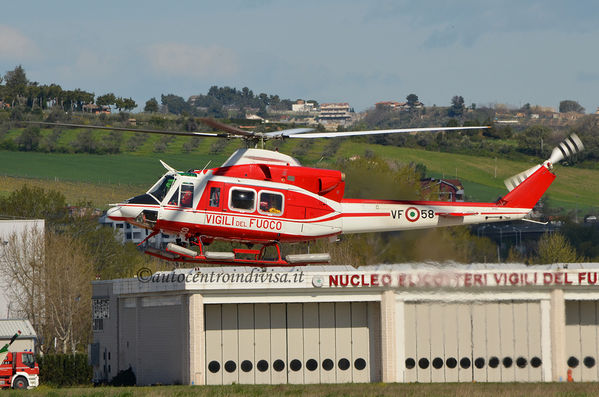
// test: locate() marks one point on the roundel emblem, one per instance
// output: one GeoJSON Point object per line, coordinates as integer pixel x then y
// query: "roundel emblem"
{"type": "Point", "coordinates": [412, 214]}
{"type": "Point", "coordinates": [317, 281]}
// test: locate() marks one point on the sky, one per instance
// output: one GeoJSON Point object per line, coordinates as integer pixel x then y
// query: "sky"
{"type": "Point", "coordinates": [361, 52]}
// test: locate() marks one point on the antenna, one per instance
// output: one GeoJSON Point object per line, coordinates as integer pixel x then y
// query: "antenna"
{"type": "Point", "coordinates": [207, 164]}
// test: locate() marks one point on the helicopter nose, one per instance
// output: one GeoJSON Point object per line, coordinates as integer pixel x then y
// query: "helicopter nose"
{"type": "Point", "coordinates": [120, 212]}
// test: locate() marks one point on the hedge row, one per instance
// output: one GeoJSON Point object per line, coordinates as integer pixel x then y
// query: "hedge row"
{"type": "Point", "coordinates": [65, 369]}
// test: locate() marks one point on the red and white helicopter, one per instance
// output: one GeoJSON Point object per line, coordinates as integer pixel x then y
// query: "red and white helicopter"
{"type": "Point", "coordinates": [263, 197]}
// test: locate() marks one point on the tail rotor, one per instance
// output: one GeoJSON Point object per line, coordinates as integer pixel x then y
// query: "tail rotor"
{"type": "Point", "coordinates": [566, 149]}
{"type": "Point", "coordinates": [569, 147]}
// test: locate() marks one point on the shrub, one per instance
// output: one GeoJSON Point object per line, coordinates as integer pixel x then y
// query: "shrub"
{"type": "Point", "coordinates": [65, 369]}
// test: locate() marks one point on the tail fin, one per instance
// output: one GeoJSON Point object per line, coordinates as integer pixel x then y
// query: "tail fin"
{"type": "Point", "coordinates": [528, 192]}
{"type": "Point", "coordinates": [526, 188]}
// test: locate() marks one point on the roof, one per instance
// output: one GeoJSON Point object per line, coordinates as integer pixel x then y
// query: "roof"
{"type": "Point", "coordinates": [259, 156]}
{"type": "Point", "coordinates": [10, 327]}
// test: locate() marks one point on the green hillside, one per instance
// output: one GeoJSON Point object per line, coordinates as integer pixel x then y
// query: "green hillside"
{"type": "Point", "coordinates": [574, 187]}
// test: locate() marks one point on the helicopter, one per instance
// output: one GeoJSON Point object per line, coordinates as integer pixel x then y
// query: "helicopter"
{"type": "Point", "coordinates": [267, 198]}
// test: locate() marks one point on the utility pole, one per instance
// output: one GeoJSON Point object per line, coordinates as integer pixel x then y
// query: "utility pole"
{"type": "Point", "coordinates": [495, 167]}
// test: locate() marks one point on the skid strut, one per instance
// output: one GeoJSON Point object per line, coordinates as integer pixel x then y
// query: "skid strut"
{"type": "Point", "coordinates": [239, 256]}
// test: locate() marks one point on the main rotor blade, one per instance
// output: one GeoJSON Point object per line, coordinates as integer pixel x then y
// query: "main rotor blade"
{"type": "Point", "coordinates": [226, 127]}
{"type": "Point", "coordinates": [375, 132]}
{"type": "Point", "coordinates": [164, 132]}
{"type": "Point", "coordinates": [289, 132]}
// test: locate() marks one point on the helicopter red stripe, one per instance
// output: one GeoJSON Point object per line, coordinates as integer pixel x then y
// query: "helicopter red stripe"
{"type": "Point", "coordinates": [431, 203]}
{"type": "Point", "coordinates": [312, 220]}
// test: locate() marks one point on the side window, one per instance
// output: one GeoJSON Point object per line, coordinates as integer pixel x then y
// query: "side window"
{"type": "Point", "coordinates": [186, 195]}
{"type": "Point", "coordinates": [242, 199]}
{"type": "Point", "coordinates": [271, 203]}
{"type": "Point", "coordinates": [174, 198]}
{"type": "Point", "coordinates": [214, 196]}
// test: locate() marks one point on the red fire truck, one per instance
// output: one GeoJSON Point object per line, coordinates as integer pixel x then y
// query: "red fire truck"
{"type": "Point", "coordinates": [18, 369]}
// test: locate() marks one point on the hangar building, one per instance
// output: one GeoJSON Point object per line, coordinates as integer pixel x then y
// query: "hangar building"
{"type": "Point", "coordinates": [337, 324]}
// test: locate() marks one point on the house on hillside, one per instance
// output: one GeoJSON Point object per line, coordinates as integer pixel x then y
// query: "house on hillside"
{"type": "Point", "coordinates": [449, 189]}
{"type": "Point", "coordinates": [398, 106]}
{"type": "Point", "coordinates": [96, 109]}
{"type": "Point", "coordinates": [338, 113]}
{"type": "Point", "coordinates": [302, 106]}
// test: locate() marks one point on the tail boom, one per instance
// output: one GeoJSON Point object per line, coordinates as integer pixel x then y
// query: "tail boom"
{"type": "Point", "coordinates": [363, 216]}
{"type": "Point", "coordinates": [525, 190]}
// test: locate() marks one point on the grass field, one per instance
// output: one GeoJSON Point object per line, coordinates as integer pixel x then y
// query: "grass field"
{"type": "Point", "coordinates": [99, 194]}
{"type": "Point", "coordinates": [374, 389]}
{"type": "Point", "coordinates": [109, 178]}
{"type": "Point", "coordinates": [574, 187]}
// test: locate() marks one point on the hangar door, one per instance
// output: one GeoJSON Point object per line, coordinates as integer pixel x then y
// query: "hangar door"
{"type": "Point", "coordinates": [465, 342]}
{"type": "Point", "coordinates": [582, 334]}
{"type": "Point", "coordinates": [290, 343]}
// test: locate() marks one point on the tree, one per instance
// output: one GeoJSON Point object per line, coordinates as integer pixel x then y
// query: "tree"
{"type": "Point", "coordinates": [175, 104]}
{"type": "Point", "coordinates": [570, 106]}
{"type": "Point", "coordinates": [106, 99]}
{"type": "Point", "coordinates": [108, 256]}
{"type": "Point", "coordinates": [85, 142]}
{"type": "Point", "coordinates": [151, 106]}
{"type": "Point", "coordinates": [50, 142]}
{"type": "Point", "coordinates": [21, 262]}
{"type": "Point", "coordinates": [554, 248]}
{"type": "Point", "coordinates": [69, 271]}
{"type": "Point", "coordinates": [48, 275]}
{"type": "Point", "coordinates": [457, 106]}
{"type": "Point", "coordinates": [75, 99]}
{"type": "Point", "coordinates": [533, 140]}
{"type": "Point", "coordinates": [112, 142]}
{"type": "Point", "coordinates": [29, 139]}
{"type": "Point", "coordinates": [119, 103]}
{"type": "Point", "coordinates": [412, 100]}
{"type": "Point", "coordinates": [34, 202]}
{"type": "Point", "coordinates": [129, 104]}
{"type": "Point", "coordinates": [16, 84]}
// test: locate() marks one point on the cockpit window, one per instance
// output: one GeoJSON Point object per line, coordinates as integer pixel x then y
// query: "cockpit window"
{"type": "Point", "coordinates": [160, 190]}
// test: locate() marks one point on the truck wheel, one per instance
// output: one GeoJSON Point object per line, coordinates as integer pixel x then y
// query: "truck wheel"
{"type": "Point", "coordinates": [20, 383]}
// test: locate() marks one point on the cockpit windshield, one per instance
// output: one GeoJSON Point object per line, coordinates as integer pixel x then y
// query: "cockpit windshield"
{"type": "Point", "coordinates": [161, 188]}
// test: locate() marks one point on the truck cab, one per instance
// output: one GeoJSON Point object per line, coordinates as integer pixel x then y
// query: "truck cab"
{"type": "Point", "coordinates": [19, 371]}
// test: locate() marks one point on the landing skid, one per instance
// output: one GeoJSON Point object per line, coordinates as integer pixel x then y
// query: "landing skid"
{"type": "Point", "coordinates": [239, 256]}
